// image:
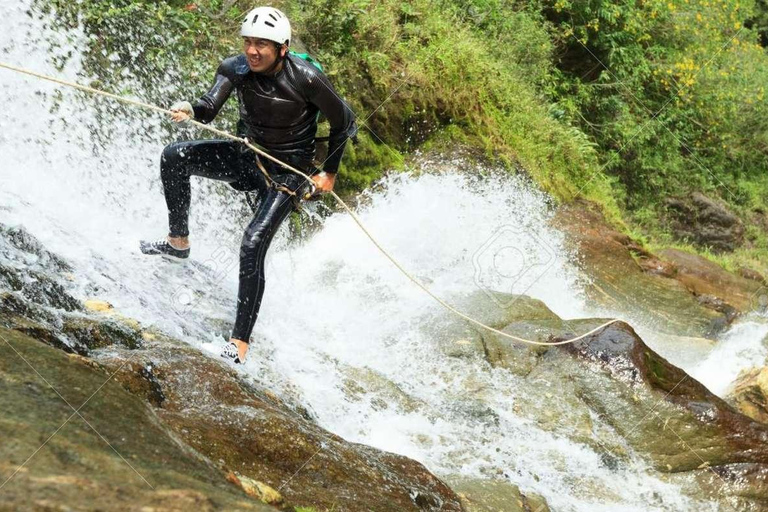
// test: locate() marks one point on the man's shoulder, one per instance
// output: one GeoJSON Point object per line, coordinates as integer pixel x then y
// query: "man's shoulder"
{"type": "Point", "coordinates": [234, 66]}
{"type": "Point", "coordinates": [303, 66]}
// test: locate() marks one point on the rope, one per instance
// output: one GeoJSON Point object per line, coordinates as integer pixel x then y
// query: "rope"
{"type": "Point", "coordinates": [352, 214]}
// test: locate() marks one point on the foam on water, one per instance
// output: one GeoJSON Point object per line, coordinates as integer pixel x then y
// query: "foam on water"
{"type": "Point", "coordinates": [742, 347]}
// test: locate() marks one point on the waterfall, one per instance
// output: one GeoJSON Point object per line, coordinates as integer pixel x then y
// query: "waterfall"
{"type": "Point", "coordinates": [335, 310]}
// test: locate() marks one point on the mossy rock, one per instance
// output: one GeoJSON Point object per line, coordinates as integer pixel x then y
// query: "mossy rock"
{"type": "Point", "coordinates": [100, 333]}
{"type": "Point", "coordinates": [479, 495]}
{"type": "Point", "coordinates": [113, 453]}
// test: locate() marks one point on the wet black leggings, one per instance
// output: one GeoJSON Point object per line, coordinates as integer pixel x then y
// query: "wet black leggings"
{"type": "Point", "coordinates": [231, 162]}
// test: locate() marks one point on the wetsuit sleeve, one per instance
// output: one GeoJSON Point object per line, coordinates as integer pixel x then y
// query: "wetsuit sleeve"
{"type": "Point", "coordinates": [207, 107]}
{"type": "Point", "coordinates": [322, 94]}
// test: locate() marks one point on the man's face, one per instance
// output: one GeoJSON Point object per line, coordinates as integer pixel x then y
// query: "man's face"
{"type": "Point", "coordinates": [260, 53]}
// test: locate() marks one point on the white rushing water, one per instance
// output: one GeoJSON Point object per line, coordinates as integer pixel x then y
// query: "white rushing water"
{"type": "Point", "coordinates": [335, 310]}
{"type": "Point", "coordinates": [742, 347]}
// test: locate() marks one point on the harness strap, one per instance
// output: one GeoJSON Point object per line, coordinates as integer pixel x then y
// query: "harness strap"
{"type": "Point", "coordinates": [277, 186]}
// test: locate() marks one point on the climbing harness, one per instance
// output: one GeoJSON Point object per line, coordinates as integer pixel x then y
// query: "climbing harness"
{"type": "Point", "coordinates": [262, 152]}
{"type": "Point", "coordinates": [282, 188]}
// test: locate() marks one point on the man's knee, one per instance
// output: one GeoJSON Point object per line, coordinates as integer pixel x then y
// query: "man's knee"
{"type": "Point", "coordinates": [253, 239]}
{"type": "Point", "coordinates": [171, 154]}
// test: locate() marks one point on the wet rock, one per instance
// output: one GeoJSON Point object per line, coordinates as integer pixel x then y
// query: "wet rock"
{"type": "Point", "coordinates": [141, 380]}
{"type": "Point", "coordinates": [256, 489]}
{"type": "Point", "coordinates": [613, 393]}
{"type": "Point", "coordinates": [37, 288]}
{"type": "Point", "coordinates": [661, 411]}
{"type": "Point", "coordinates": [32, 251]}
{"type": "Point", "coordinates": [704, 222]}
{"type": "Point", "coordinates": [754, 275]}
{"type": "Point", "coordinates": [10, 279]}
{"type": "Point", "coordinates": [520, 357]}
{"type": "Point", "coordinates": [41, 289]}
{"type": "Point", "coordinates": [99, 306]}
{"type": "Point", "coordinates": [655, 266]}
{"type": "Point", "coordinates": [707, 279]}
{"type": "Point", "coordinates": [100, 333]}
{"type": "Point", "coordinates": [617, 281]}
{"type": "Point", "coordinates": [72, 332]}
{"type": "Point", "coordinates": [242, 427]}
{"type": "Point", "coordinates": [118, 455]}
{"type": "Point", "coordinates": [749, 393]}
{"type": "Point", "coordinates": [550, 407]}
{"type": "Point", "coordinates": [21, 315]}
{"type": "Point", "coordinates": [742, 487]}
{"type": "Point", "coordinates": [363, 384]}
{"type": "Point", "coordinates": [496, 495]}
{"type": "Point", "coordinates": [42, 332]}
{"type": "Point", "coordinates": [460, 338]}
{"type": "Point", "coordinates": [684, 351]}
{"type": "Point", "coordinates": [28, 268]}
{"type": "Point", "coordinates": [12, 303]}
{"type": "Point", "coordinates": [663, 414]}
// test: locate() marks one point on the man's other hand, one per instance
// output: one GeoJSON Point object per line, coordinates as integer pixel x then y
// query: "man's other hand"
{"type": "Point", "coordinates": [323, 182]}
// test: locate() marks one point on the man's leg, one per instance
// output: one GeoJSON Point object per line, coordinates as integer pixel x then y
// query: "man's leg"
{"type": "Point", "coordinates": [272, 211]}
{"type": "Point", "coordinates": [215, 159]}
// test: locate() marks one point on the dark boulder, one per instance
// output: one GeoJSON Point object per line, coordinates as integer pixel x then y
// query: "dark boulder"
{"type": "Point", "coordinates": [705, 222]}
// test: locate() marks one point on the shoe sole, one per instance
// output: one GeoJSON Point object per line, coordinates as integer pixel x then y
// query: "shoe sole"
{"type": "Point", "coordinates": [176, 259]}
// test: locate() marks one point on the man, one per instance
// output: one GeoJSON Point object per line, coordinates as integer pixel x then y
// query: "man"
{"type": "Point", "coordinates": [279, 96]}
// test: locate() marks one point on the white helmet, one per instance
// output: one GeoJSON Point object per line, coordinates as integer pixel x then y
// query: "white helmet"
{"type": "Point", "coordinates": [267, 23]}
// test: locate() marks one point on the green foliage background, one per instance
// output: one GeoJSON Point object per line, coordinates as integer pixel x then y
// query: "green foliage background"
{"type": "Point", "coordinates": [622, 103]}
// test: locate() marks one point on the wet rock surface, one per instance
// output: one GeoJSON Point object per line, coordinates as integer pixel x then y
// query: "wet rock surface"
{"type": "Point", "coordinates": [612, 392]}
{"type": "Point", "coordinates": [26, 267]}
{"type": "Point", "coordinates": [664, 414]}
{"type": "Point", "coordinates": [235, 440]}
{"type": "Point", "coordinates": [627, 278]}
{"type": "Point", "coordinates": [495, 495]}
{"type": "Point", "coordinates": [710, 282]}
{"type": "Point", "coordinates": [713, 432]}
{"type": "Point", "coordinates": [251, 431]}
{"type": "Point", "coordinates": [749, 393]}
{"type": "Point", "coordinates": [113, 453]}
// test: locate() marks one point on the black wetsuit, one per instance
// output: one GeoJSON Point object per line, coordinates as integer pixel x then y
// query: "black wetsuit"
{"type": "Point", "coordinates": [278, 112]}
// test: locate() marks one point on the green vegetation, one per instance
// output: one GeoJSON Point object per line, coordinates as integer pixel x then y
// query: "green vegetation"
{"type": "Point", "coordinates": [621, 103]}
